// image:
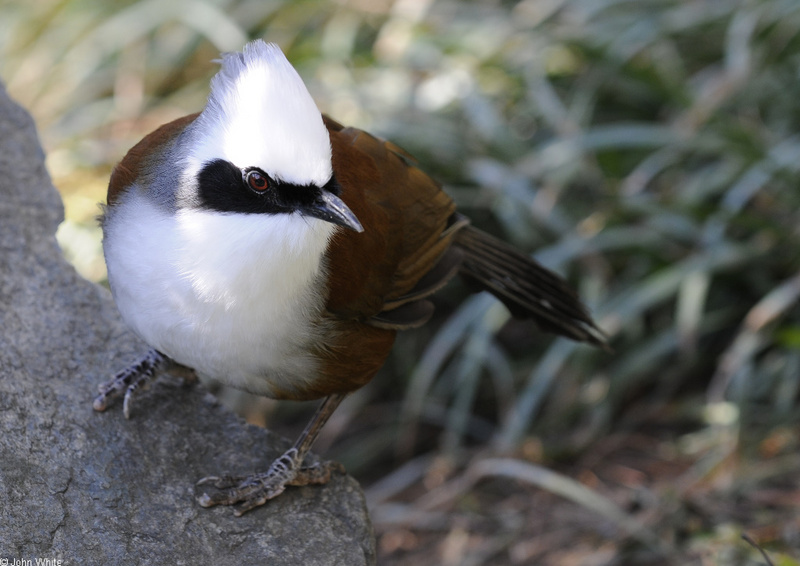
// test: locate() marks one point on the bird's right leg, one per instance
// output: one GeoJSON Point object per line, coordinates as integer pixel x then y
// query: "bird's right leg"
{"type": "Point", "coordinates": [134, 377]}
{"type": "Point", "coordinates": [288, 470]}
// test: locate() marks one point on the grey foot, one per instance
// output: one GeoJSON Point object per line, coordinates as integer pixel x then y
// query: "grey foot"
{"type": "Point", "coordinates": [252, 491]}
{"type": "Point", "coordinates": [129, 380]}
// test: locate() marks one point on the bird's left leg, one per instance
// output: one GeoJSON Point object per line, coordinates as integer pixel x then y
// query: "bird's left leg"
{"type": "Point", "coordinates": [288, 470]}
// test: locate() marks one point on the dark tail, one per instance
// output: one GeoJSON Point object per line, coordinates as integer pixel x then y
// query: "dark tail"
{"type": "Point", "coordinates": [528, 289]}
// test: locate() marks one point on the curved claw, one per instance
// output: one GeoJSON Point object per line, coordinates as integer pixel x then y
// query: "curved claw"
{"type": "Point", "coordinates": [249, 492]}
{"type": "Point", "coordinates": [222, 482]}
{"type": "Point", "coordinates": [287, 470]}
{"type": "Point", "coordinates": [128, 381]}
{"type": "Point", "coordinates": [100, 403]}
{"type": "Point", "coordinates": [250, 496]}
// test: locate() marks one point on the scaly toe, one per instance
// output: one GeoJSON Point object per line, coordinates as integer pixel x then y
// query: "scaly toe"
{"type": "Point", "coordinates": [223, 482]}
{"type": "Point", "coordinates": [219, 498]}
{"type": "Point", "coordinates": [249, 505]}
{"type": "Point", "coordinates": [126, 382]}
{"type": "Point", "coordinates": [254, 491]}
{"type": "Point", "coordinates": [251, 492]}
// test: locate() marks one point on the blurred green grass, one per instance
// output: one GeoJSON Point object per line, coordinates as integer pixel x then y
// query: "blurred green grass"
{"type": "Point", "coordinates": [647, 150]}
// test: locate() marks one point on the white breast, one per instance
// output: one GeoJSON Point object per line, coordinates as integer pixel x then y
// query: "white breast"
{"type": "Point", "coordinates": [230, 295]}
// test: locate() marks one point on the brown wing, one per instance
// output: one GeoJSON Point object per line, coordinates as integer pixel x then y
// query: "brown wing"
{"type": "Point", "coordinates": [378, 279]}
{"type": "Point", "coordinates": [382, 275]}
{"type": "Point", "coordinates": [416, 243]}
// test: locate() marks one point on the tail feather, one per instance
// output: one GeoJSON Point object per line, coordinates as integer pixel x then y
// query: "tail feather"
{"type": "Point", "coordinates": [528, 289]}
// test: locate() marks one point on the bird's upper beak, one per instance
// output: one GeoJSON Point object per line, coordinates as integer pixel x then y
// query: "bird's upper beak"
{"type": "Point", "coordinates": [332, 209]}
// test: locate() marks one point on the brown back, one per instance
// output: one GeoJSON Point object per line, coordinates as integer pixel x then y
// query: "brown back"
{"type": "Point", "coordinates": [405, 215]}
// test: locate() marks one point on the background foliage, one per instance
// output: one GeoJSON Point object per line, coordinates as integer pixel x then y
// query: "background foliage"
{"type": "Point", "coordinates": [647, 150]}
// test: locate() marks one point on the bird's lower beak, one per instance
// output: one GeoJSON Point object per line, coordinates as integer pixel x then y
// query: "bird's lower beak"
{"type": "Point", "coordinates": [332, 209]}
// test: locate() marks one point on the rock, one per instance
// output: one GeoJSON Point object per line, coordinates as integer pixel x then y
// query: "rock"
{"type": "Point", "coordinates": [92, 488]}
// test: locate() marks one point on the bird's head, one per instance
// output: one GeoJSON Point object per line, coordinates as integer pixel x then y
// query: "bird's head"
{"type": "Point", "coordinates": [260, 145]}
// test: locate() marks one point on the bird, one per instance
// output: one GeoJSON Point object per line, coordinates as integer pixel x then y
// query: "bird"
{"type": "Point", "coordinates": [264, 245]}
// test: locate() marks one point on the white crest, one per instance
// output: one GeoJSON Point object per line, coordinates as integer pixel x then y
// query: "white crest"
{"type": "Point", "coordinates": [260, 114]}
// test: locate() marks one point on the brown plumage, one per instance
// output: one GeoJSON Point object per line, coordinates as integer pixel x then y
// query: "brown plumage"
{"type": "Point", "coordinates": [417, 244]}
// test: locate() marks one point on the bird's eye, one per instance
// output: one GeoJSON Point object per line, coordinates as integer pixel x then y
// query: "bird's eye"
{"type": "Point", "coordinates": [257, 181]}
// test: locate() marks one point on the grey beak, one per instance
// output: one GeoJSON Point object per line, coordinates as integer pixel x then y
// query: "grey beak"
{"type": "Point", "coordinates": [332, 209]}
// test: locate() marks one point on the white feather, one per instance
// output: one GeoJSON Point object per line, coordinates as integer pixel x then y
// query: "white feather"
{"type": "Point", "coordinates": [230, 295]}
{"type": "Point", "coordinates": [260, 114]}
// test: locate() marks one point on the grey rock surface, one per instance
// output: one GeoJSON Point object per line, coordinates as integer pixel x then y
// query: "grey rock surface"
{"type": "Point", "coordinates": [92, 488]}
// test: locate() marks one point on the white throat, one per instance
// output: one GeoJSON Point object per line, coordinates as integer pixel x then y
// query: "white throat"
{"type": "Point", "coordinates": [235, 296]}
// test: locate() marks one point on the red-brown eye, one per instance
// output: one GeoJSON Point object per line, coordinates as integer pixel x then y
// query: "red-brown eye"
{"type": "Point", "coordinates": [257, 181]}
